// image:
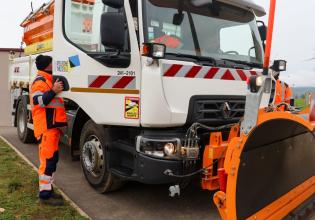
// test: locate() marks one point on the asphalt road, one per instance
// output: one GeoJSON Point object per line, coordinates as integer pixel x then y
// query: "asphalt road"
{"type": "Point", "coordinates": [133, 202]}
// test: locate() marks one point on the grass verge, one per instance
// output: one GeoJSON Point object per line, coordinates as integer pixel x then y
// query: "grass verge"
{"type": "Point", "coordinates": [301, 103]}
{"type": "Point", "coordinates": [19, 191]}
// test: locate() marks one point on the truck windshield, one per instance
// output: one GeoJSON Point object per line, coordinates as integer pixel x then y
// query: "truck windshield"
{"type": "Point", "coordinates": [218, 31]}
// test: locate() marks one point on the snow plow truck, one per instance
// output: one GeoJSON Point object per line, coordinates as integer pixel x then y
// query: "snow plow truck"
{"type": "Point", "coordinates": [162, 91]}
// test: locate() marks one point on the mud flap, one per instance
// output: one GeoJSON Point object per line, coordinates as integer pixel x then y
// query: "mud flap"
{"type": "Point", "coordinates": [276, 158]}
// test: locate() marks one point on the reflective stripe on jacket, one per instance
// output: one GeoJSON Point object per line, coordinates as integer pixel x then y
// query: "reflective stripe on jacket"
{"type": "Point", "coordinates": [47, 110]}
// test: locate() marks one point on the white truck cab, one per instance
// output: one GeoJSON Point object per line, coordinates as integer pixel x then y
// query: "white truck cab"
{"type": "Point", "coordinates": [139, 73]}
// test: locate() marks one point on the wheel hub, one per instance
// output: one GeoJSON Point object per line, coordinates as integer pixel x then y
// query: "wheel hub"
{"type": "Point", "coordinates": [92, 156]}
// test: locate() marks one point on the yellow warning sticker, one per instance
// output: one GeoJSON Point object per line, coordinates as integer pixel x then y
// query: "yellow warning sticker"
{"type": "Point", "coordinates": [132, 107]}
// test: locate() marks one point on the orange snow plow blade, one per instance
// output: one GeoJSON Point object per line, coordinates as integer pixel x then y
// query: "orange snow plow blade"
{"type": "Point", "coordinates": [271, 171]}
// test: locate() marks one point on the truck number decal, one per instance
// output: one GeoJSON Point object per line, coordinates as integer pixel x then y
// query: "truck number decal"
{"type": "Point", "coordinates": [126, 73]}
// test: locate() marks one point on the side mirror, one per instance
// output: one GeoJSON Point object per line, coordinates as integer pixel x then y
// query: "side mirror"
{"type": "Point", "coordinates": [114, 3]}
{"type": "Point", "coordinates": [279, 65]}
{"type": "Point", "coordinates": [113, 30]}
{"type": "Point", "coordinates": [262, 30]}
{"type": "Point", "coordinates": [64, 81]}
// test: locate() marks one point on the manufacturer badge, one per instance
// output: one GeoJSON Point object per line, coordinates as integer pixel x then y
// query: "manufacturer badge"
{"type": "Point", "coordinates": [226, 110]}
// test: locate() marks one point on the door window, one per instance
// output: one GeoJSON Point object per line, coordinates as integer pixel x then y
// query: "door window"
{"type": "Point", "coordinates": [83, 21]}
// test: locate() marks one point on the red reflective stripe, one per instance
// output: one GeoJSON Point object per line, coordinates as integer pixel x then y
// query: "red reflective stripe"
{"type": "Point", "coordinates": [242, 75]}
{"type": "Point", "coordinates": [254, 73]}
{"type": "Point", "coordinates": [99, 81]}
{"type": "Point", "coordinates": [123, 82]}
{"type": "Point", "coordinates": [193, 71]}
{"type": "Point", "coordinates": [211, 73]}
{"type": "Point", "coordinates": [228, 75]}
{"type": "Point", "coordinates": [173, 70]}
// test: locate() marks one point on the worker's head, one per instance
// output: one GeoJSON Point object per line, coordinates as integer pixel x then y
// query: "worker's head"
{"type": "Point", "coordinates": [44, 63]}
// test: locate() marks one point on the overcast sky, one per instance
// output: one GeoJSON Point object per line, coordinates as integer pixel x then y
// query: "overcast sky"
{"type": "Point", "coordinates": [294, 36]}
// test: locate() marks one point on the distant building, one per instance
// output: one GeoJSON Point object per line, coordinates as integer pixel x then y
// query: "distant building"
{"type": "Point", "coordinates": [5, 100]}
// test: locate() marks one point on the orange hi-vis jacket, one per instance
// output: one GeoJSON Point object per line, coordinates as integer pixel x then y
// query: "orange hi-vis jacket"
{"type": "Point", "coordinates": [48, 111]}
{"type": "Point", "coordinates": [168, 41]}
{"type": "Point", "coordinates": [283, 93]}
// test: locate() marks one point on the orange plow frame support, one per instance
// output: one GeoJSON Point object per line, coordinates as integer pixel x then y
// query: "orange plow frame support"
{"type": "Point", "coordinates": [226, 202]}
{"type": "Point", "coordinates": [216, 150]}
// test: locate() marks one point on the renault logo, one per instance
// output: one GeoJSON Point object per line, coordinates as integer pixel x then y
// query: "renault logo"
{"type": "Point", "coordinates": [226, 110]}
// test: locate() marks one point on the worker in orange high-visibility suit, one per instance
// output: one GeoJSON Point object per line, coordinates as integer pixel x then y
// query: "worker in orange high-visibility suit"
{"type": "Point", "coordinates": [284, 92]}
{"type": "Point", "coordinates": [48, 116]}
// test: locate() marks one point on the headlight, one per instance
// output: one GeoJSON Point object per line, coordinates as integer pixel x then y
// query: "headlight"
{"type": "Point", "coordinates": [159, 147]}
{"type": "Point", "coordinates": [279, 65]}
{"type": "Point", "coordinates": [169, 149]}
{"type": "Point", "coordinates": [154, 50]}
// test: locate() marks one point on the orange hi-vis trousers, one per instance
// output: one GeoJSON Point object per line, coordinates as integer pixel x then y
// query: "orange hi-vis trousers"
{"type": "Point", "coordinates": [48, 156]}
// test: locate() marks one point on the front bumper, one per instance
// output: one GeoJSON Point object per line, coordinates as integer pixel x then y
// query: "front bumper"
{"type": "Point", "coordinates": [151, 170]}
{"type": "Point", "coordinates": [138, 163]}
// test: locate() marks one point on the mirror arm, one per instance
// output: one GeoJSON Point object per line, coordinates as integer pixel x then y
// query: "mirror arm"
{"type": "Point", "coordinates": [115, 54]}
{"type": "Point", "coordinates": [118, 60]}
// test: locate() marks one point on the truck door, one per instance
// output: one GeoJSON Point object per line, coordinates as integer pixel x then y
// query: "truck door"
{"type": "Point", "coordinates": [99, 85]}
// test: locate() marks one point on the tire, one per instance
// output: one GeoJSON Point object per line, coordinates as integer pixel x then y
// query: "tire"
{"type": "Point", "coordinates": [93, 144]}
{"type": "Point", "coordinates": [25, 134]}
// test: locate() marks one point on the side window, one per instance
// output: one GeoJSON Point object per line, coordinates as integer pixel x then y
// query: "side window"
{"type": "Point", "coordinates": [82, 23]}
{"type": "Point", "coordinates": [237, 40]}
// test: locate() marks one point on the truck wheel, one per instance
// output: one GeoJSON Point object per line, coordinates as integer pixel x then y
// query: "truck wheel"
{"type": "Point", "coordinates": [25, 134]}
{"type": "Point", "coordinates": [93, 143]}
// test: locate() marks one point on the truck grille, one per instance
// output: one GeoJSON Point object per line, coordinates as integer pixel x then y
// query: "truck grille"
{"type": "Point", "coordinates": [216, 110]}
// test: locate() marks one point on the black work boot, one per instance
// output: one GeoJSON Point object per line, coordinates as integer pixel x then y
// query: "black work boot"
{"type": "Point", "coordinates": [56, 195]}
{"type": "Point", "coordinates": [52, 201]}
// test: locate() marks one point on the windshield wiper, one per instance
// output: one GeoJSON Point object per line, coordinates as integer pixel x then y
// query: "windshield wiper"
{"type": "Point", "coordinates": [194, 34]}
{"type": "Point", "coordinates": [250, 64]}
{"type": "Point", "coordinates": [199, 59]}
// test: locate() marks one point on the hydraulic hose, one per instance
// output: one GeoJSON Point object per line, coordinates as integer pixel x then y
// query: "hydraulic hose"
{"type": "Point", "coordinates": [169, 172]}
